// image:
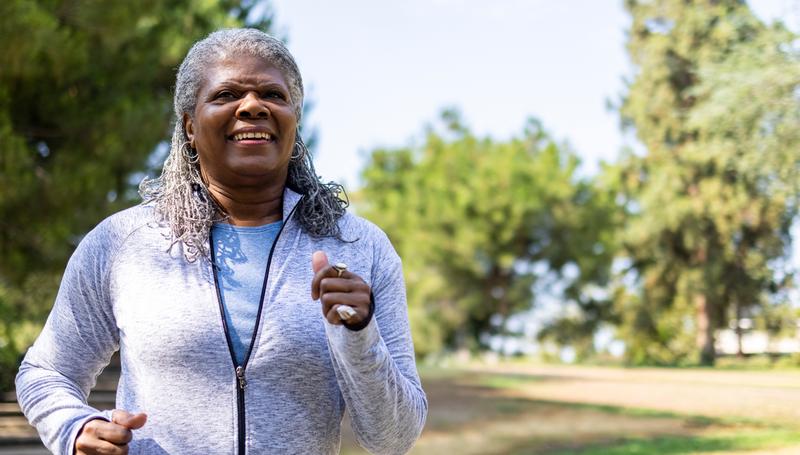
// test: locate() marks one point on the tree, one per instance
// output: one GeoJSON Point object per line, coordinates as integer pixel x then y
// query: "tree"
{"type": "Point", "coordinates": [85, 99]}
{"type": "Point", "coordinates": [711, 202]}
{"type": "Point", "coordinates": [589, 244]}
{"type": "Point", "coordinates": [471, 218]}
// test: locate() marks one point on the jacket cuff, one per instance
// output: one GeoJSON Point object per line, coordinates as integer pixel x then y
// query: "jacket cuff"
{"type": "Point", "coordinates": [353, 344]}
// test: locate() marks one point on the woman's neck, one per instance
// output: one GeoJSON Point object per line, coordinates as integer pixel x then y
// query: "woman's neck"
{"type": "Point", "coordinates": [249, 207]}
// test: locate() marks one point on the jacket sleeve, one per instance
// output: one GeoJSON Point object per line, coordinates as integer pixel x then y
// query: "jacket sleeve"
{"type": "Point", "coordinates": [77, 341]}
{"type": "Point", "coordinates": [375, 366]}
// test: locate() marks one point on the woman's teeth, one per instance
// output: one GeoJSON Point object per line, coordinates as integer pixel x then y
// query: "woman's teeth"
{"type": "Point", "coordinates": [243, 136]}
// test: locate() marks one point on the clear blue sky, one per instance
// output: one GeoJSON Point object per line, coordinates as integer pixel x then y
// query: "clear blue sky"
{"type": "Point", "coordinates": [378, 71]}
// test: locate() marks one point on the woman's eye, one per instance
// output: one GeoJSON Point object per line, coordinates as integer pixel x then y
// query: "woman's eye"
{"type": "Point", "coordinates": [274, 95]}
{"type": "Point", "coordinates": [226, 95]}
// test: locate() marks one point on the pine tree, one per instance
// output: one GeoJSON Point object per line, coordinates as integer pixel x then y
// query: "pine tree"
{"type": "Point", "coordinates": [711, 201]}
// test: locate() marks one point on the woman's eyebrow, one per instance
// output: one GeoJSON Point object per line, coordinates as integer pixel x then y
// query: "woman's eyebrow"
{"type": "Point", "coordinates": [250, 81]}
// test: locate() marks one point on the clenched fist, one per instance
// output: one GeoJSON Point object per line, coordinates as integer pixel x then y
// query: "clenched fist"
{"type": "Point", "coordinates": [109, 438]}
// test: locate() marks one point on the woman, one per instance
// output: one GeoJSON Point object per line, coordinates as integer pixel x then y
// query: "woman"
{"type": "Point", "coordinates": [234, 358]}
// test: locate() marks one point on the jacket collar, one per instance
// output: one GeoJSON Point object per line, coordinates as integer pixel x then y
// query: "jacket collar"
{"type": "Point", "coordinates": [290, 200]}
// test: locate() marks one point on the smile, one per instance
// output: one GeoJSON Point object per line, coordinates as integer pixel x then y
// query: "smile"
{"type": "Point", "coordinates": [251, 135]}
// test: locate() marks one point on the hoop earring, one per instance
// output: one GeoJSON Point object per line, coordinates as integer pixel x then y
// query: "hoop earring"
{"type": "Point", "coordinates": [300, 149]}
{"type": "Point", "coordinates": [189, 153]}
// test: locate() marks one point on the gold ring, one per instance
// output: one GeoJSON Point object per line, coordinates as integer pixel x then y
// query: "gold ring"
{"type": "Point", "coordinates": [340, 267]}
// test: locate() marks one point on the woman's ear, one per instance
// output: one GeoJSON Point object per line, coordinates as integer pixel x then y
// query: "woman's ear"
{"type": "Point", "coordinates": [188, 128]}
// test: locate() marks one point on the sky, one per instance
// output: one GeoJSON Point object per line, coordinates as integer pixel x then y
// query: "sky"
{"type": "Point", "coordinates": [377, 72]}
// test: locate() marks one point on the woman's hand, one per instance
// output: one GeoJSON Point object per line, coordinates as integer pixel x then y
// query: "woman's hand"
{"type": "Point", "coordinates": [101, 437]}
{"type": "Point", "coordinates": [334, 289]}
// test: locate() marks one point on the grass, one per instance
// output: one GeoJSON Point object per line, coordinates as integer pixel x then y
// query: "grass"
{"type": "Point", "coordinates": [523, 410]}
{"type": "Point", "coordinates": [672, 445]}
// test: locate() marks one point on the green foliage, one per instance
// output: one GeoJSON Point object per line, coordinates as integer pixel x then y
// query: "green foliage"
{"type": "Point", "coordinates": [85, 97]}
{"type": "Point", "coordinates": [714, 102]}
{"type": "Point", "coordinates": [471, 217]}
{"type": "Point", "coordinates": [589, 243]}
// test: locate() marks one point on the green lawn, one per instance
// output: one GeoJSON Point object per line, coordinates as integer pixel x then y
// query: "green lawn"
{"type": "Point", "coordinates": [743, 440]}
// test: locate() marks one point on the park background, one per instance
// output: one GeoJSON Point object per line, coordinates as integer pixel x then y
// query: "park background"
{"type": "Point", "coordinates": [595, 201]}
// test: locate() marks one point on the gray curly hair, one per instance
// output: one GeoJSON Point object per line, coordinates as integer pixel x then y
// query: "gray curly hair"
{"type": "Point", "coordinates": [180, 196]}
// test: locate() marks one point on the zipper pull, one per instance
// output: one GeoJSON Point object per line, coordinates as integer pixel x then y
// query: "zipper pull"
{"type": "Point", "coordinates": [240, 376]}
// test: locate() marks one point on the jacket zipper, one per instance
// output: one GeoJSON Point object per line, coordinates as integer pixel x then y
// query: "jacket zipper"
{"type": "Point", "coordinates": [239, 370]}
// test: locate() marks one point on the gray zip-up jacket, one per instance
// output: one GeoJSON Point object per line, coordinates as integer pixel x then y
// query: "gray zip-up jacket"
{"type": "Point", "coordinates": [125, 288]}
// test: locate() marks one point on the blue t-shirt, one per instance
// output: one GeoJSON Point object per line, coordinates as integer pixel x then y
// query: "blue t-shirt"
{"type": "Point", "coordinates": [241, 253]}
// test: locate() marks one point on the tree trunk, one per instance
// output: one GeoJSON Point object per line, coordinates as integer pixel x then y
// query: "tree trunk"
{"type": "Point", "coordinates": [705, 330]}
{"type": "Point", "coordinates": [739, 350]}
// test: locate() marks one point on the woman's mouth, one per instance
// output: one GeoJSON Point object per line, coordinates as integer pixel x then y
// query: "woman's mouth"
{"type": "Point", "coordinates": [251, 137]}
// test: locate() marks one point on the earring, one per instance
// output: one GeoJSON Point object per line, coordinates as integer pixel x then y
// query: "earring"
{"type": "Point", "coordinates": [299, 150]}
{"type": "Point", "coordinates": [189, 153]}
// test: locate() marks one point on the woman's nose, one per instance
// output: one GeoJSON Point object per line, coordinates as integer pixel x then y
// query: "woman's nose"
{"type": "Point", "coordinates": [252, 106]}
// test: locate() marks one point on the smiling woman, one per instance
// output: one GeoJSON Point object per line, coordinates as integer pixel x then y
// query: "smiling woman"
{"type": "Point", "coordinates": [243, 127]}
{"type": "Point", "coordinates": [235, 333]}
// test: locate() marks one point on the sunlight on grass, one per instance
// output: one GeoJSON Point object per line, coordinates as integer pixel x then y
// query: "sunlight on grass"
{"type": "Point", "coordinates": [673, 445]}
{"type": "Point", "coordinates": [486, 412]}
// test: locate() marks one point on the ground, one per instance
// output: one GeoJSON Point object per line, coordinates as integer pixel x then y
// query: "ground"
{"type": "Point", "coordinates": [522, 409]}
{"type": "Point", "coordinates": [515, 408]}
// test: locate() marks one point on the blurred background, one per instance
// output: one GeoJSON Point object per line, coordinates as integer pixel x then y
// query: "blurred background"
{"type": "Point", "coordinates": [596, 202]}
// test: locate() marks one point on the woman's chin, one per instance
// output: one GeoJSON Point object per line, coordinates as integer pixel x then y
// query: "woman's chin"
{"type": "Point", "coordinates": [259, 174]}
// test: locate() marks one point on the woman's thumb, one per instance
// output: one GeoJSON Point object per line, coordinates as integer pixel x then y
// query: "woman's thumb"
{"type": "Point", "coordinates": [128, 420]}
{"type": "Point", "coordinates": [318, 260]}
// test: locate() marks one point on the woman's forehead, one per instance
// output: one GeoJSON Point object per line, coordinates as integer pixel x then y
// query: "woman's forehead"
{"type": "Point", "coordinates": [244, 69]}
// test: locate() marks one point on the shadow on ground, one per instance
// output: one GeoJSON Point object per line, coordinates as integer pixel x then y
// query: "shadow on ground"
{"type": "Point", "coordinates": [489, 413]}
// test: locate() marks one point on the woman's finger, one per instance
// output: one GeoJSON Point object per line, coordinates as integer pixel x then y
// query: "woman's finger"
{"type": "Point", "coordinates": [357, 300]}
{"type": "Point", "coordinates": [325, 272]}
{"type": "Point", "coordinates": [100, 436]}
{"type": "Point", "coordinates": [334, 318]}
{"type": "Point", "coordinates": [92, 440]}
{"type": "Point", "coordinates": [346, 281]}
{"type": "Point", "coordinates": [319, 264]}
{"type": "Point", "coordinates": [344, 284]}
{"type": "Point", "coordinates": [115, 434]}
{"type": "Point", "coordinates": [128, 420]}
{"type": "Point", "coordinates": [104, 448]}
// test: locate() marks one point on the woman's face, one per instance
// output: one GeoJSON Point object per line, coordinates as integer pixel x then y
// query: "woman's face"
{"type": "Point", "coordinates": [244, 124]}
